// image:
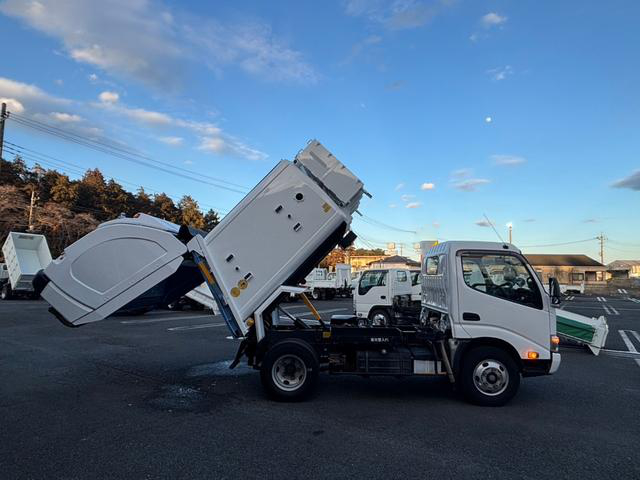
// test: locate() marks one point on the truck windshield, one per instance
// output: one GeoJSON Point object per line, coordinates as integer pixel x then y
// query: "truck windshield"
{"type": "Point", "coordinates": [370, 279]}
{"type": "Point", "coordinates": [502, 276]}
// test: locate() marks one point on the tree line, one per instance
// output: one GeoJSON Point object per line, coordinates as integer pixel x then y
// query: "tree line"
{"type": "Point", "coordinates": [66, 209]}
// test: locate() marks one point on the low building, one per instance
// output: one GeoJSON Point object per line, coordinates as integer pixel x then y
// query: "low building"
{"type": "Point", "coordinates": [624, 269]}
{"type": "Point", "coordinates": [569, 269]}
{"type": "Point", "coordinates": [361, 262]}
{"type": "Point", "coordinates": [395, 261]}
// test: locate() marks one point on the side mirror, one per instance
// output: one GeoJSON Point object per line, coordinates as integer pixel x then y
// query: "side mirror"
{"type": "Point", "coordinates": [554, 291]}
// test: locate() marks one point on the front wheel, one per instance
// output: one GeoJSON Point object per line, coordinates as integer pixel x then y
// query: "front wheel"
{"type": "Point", "coordinates": [289, 370]}
{"type": "Point", "coordinates": [489, 376]}
{"type": "Point", "coordinates": [379, 318]}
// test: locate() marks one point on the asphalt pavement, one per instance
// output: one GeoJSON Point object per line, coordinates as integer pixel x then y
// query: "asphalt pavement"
{"type": "Point", "coordinates": [152, 397]}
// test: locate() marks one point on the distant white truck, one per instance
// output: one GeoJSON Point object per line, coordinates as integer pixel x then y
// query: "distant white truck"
{"type": "Point", "coordinates": [386, 297]}
{"type": "Point", "coordinates": [324, 284]}
{"type": "Point", "coordinates": [25, 255]}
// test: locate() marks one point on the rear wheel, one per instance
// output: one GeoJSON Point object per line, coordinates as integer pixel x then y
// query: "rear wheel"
{"type": "Point", "coordinates": [5, 293]}
{"type": "Point", "coordinates": [489, 376]}
{"type": "Point", "coordinates": [379, 318]}
{"type": "Point", "coordinates": [289, 370]}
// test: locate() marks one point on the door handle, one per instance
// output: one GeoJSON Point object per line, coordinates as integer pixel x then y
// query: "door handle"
{"type": "Point", "coordinates": [383, 297]}
{"type": "Point", "coordinates": [471, 317]}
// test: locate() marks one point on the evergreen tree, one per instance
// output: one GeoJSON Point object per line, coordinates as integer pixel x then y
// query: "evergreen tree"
{"type": "Point", "coordinates": [211, 219]}
{"type": "Point", "coordinates": [190, 212]}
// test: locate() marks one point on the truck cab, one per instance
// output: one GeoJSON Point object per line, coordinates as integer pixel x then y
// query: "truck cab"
{"type": "Point", "coordinates": [378, 293]}
{"type": "Point", "coordinates": [498, 314]}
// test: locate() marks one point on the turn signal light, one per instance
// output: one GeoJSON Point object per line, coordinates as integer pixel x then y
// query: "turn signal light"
{"type": "Point", "coordinates": [555, 343]}
{"type": "Point", "coordinates": [533, 355]}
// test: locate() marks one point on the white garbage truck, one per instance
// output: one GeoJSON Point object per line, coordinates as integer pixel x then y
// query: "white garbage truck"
{"type": "Point", "coordinates": [25, 254]}
{"type": "Point", "coordinates": [264, 248]}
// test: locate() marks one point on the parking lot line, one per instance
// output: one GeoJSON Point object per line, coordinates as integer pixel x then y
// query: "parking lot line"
{"type": "Point", "coordinates": [195, 327]}
{"type": "Point", "coordinates": [629, 343]}
{"type": "Point", "coordinates": [615, 312]}
{"type": "Point", "coordinates": [622, 291]}
{"type": "Point", "coordinates": [163, 319]}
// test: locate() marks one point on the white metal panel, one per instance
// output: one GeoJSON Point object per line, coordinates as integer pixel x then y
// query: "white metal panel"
{"type": "Point", "coordinates": [108, 268]}
{"type": "Point", "coordinates": [332, 174]}
{"type": "Point", "coordinates": [266, 237]}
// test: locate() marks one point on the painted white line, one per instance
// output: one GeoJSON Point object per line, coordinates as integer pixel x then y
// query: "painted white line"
{"type": "Point", "coordinates": [615, 312]}
{"type": "Point", "coordinates": [196, 327]}
{"type": "Point", "coordinates": [635, 334]}
{"type": "Point", "coordinates": [606, 310]}
{"type": "Point", "coordinates": [163, 319]}
{"type": "Point", "coordinates": [628, 342]}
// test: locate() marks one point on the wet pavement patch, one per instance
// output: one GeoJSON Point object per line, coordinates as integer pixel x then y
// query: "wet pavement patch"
{"type": "Point", "coordinates": [220, 369]}
{"type": "Point", "coordinates": [180, 398]}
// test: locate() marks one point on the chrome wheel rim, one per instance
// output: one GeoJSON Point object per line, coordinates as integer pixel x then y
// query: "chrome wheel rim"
{"type": "Point", "coordinates": [491, 377]}
{"type": "Point", "coordinates": [379, 320]}
{"type": "Point", "coordinates": [289, 372]}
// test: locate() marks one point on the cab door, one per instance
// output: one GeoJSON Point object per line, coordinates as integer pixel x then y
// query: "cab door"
{"type": "Point", "coordinates": [499, 296]}
{"type": "Point", "coordinates": [372, 290]}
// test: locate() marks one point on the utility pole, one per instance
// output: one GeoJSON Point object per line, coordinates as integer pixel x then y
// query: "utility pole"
{"type": "Point", "coordinates": [510, 233]}
{"type": "Point", "coordinates": [601, 238]}
{"type": "Point", "coordinates": [31, 206]}
{"type": "Point", "coordinates": [3, 114]}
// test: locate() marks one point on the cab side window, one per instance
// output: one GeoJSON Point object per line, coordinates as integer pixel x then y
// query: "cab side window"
{"type": "Point", "coordinates": [401, 276]}
{"type": "Point", "coordinates": [432, 265]}
{"type": "Point", "coordinates": [502, 276]}
{"type": "Point", "coordinates": [370, 279]}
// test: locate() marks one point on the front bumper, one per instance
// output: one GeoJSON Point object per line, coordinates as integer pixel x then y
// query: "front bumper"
{"type": "Point", "coordinates": [534, 368]}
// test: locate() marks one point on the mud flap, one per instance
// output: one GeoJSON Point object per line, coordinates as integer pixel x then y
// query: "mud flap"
{"type": "Point", "coordinates": [114, 266]}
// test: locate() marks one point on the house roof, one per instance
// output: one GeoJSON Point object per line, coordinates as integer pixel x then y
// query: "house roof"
{"type": "Point", "coordinates": [396, 259]}
{"type": "Point", "coordinates": [555, 260]}
{"type": "Point", "coordinates": [622, 264]}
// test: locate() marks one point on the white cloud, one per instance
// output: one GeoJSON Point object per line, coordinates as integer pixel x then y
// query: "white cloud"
{"type": "Point", "coordinates": [399, 186]}
{"type": "Point", "coordinates": [500, 73]}
{"type": "Point", "coordinates": [508, 160]}
{"type": "Point", "coordinates": [109, 97]}
{"type": "Point", "coordinates": [471, 185]}
{"type": "Point", "coordinates": [211, 137]}
{"type": "Point", "coordinates": [413, 205]}
{"type": "Point", "coordinates": [93, 77]}
{"type": "Point", "coordinates": [65, 117]}
{"type": "Point", "coordinates": [13, 105]}
{"type": "Point", "coordinates": [492, 19]}
{"type": "Point", "coordinates": [436, 224]}
{"type": "Point", "coordinates": [529, 220]}
{"type": "Point", "coordinates": [396, 14]}
{"type": "Point", "coordinates": [488, 119]}
{"type": "Point", "coordinates": [462, 173]}
{"type": "Point", "coordinates": [59, 82]}
{"type": "Point", "coordinates": [393, 205]}
{"type": "Point", "coordinates": [407, 197]}
{"type": "Point", "coordinates": [631, 182]}
{"type": "Point", "coordinates": [427, 186]}
{"type": "Point", "coordinates": [141, 39]}
{"type": "Point", "coordinates": [173, 141]}
{"type": "Point", "coordinates": [483, 223]}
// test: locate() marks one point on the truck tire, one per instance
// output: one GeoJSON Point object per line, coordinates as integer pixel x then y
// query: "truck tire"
{"type": "Point", "coordinates": [5, 293]}
{"type": "Point", "coordinates": [489, 376]}
{"type": "Point", "coordinates": [379, 317]}
{"type": "Point", "coordinates": [289, 370]}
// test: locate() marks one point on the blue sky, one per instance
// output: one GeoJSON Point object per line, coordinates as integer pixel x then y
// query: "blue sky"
{"type": "Point", "coordinates": [448, 110]}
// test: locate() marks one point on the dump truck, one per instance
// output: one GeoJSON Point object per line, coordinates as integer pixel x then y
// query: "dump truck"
{"type": "Point", "coordinates": [263, 249]}
{"type": "Point", "coordinates": [25, 255]}
{"type": "Point", "coordinates": [323, 284]}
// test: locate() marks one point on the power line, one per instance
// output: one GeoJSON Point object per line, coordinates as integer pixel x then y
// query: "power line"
{"type": "Point", "coordinates": [37, 157]}
{"type": "Point", "coordinates": [189, 174]}
{"type": "Point", "coordinates": [119, 147]}
{"type": "Point", "coordinates": [559, 244]}
{"type": "Point", "coordinates": [373, 221]}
